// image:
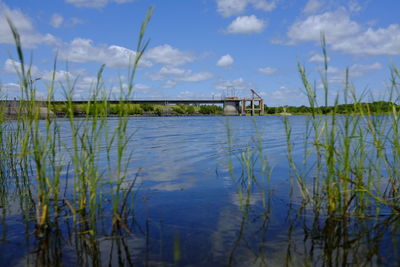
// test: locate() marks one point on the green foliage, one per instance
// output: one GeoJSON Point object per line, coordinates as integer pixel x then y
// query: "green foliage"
{"type": "Point", "coordinates": [190, 109]}
{"type": "Point", "coordinates": [158, 111]}
{"type": "Point", "coordinates": [377, 107]}
{"type": "Point", "coordinates": [134, 109]}
{"type": "Point", "coordinates": [180, 109]}
{"type": "Point", "coordinates": [210, 109]}
{"type": "Point", "coordinates": [147, 107]}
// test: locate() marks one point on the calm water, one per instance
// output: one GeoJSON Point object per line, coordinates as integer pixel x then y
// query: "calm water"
{"type": "Point", "coordinates": [188, 210]}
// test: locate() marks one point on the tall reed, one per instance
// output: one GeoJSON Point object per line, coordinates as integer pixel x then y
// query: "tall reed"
{"type": "Point", "coordinates": [34, 157]}
{"type": "Point", "coordinates": [354, 158]}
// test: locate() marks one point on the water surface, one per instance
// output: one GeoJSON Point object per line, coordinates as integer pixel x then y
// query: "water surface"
{"type": "Point", "coordinates": [190, 208]}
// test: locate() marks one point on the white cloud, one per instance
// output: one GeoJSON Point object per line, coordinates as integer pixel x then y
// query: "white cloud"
{"type": "Point", "coordinates": [225, 61]}
{"type": "Point", "coordinates": [171, 71]}
{"type": "Point", "coordinates": [195, 77]}
{"type": "Point", "coordinates": [312, 6]}
{"type": "Point", "coordinates": [83, 80]}
{"type": "Point", "coordinates": [359, 70]}
{"type": "Point", "coordinates": [335, 26]}
{"type": "Point", "coordinates": [174, 75]}
{"type": "Point", "coordinates": [56, 20]}
{"type": "Point", "coordinates": [95, 3]}
{"type": "Point", "coordinates": [246, 25]}
{"type": "Point", "coordinates": [233, 87]}
{"type": "Point", "coordinates": [383, 41]}
{"type": "Point", "coordinates": [194, 95]}
{"type": "Point", "coordinates": [14, 67]}
{"type": "Point", "coordinates": [61, 75]}
{"type": "Point", "coordinates": [287, 96]}
{"type": "Point", "coordinates": [263, 5]}
{"type": "Point", "coordinates": [8, 88]}
{"type": "Point", "coordinates": [169, 84]}
{"type": "Point", "coordinates": [168, 55]}
{"type": "Point", "coordinates": [337, 75]}
{"type": "Point", "coordinates": [30, 38]}
{"type": "Point", "coordinates": [229, 8]}
{"type": "Point", "coordinates": [88, 3]}
{"type": "Point", "coordinates": [141, 87]}
{"type": "Point", "coordinates": [354, 6]}
{"type": "Point", "coordinates": [318, 58]}
{"type": "Point", "coordinates": [267, 70]}
{"type": "Point", "coordinates": [82, 50]}
{"type": "Point", "coordinates": [346, 35]}
{"type": "Point", "coordinates": [76, 21]}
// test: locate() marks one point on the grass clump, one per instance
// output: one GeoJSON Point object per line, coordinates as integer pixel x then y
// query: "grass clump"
{"type": "Point", "coordinates": [351, 161]}
{"type": "Point", "coordinates": [34, 156]}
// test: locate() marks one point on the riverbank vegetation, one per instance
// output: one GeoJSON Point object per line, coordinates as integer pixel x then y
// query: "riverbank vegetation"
{"type": "Point", "coordinates": [80, 110]}
{"type": "Point", "coordinates": [376, 107]}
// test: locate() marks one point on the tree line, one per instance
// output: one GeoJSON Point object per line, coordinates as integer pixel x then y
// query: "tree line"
{"type": "Point", "coordinates": [377, 107]}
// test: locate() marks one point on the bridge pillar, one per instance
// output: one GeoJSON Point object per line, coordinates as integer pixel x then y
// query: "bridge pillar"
{"type": "Point", "coordinates": [231, 108]}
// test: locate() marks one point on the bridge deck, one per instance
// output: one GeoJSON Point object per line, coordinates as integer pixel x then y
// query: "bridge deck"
{"type": "Point", "coordinates": [157, 102]}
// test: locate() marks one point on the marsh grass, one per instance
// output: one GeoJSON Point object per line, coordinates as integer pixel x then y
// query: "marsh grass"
{"type": "Point", "coordinates": [34, 157]}
{"type": "Point", "coordinates": [351, 162]}
{"type": "Point", "coordinates": [344, 191]}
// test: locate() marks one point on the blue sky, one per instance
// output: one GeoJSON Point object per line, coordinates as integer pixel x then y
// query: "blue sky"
{"type": "Point", "coordinates": [205, 48]}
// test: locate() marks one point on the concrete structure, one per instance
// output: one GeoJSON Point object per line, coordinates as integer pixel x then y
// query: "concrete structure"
{"type": "Point", "coordinates": [254, 105]}
{"type": "Point", "coordinates": [11, 108]}
{"type": "Point", "coordinates": [232, 106]}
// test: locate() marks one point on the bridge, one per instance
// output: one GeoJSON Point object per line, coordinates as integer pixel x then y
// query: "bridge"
{"type": "Point", "coordinates": [232, 106]}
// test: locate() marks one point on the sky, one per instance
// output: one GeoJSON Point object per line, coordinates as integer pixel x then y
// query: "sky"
{"type": "Point", "coordinates": [204, 49]}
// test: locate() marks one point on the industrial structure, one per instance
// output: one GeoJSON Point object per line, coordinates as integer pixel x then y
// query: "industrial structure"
{"type": "Point", "coordinates": [232, 106]}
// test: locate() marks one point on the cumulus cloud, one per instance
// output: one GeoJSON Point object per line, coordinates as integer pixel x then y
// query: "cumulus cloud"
{"type": "Point", "coordinates": [232, 87]}
{"type": "Point", "coordinates": [359, 70]}
{"type": "Point", "coordinates": [14, 67]}
{"type": "Point", "coordinates": [168, 55]}
{"type": "Point", "coordinates": [354, 6]}
{"type": "Point", "coordinates": [263, 5]}
{"type": "Point", "coordinates": [312, 6]}
{"type": "Point", "coordinates": [287, 96]}
{"type": "Point", "coordinates": [318, 58]}
{"type": "Point", "coordinates": [95, 3]}
{"type": "Point", "coordinates": [75, 21]}
{"type": "Point", "coordinates": [346, 35]}
{"type": "Point", "coordinates": [30, 38]}
{"type": "Point", "coordinates": [10, 88]}
{"type": "Point", "coordinates": [267, 70]}
{"type": "Point", "coordinates": [83, 82]}
{"type": "Point", "coordinates": [383, 41]}
{"type": "Point", "coordinates": [337, 75]}
{"type": "Point", "coordinates": [225, 61]}
{"type": "Point", "coordinates": [56, 20]}
{"type": "Point", "coordinates": [169, 84]}
{"type": "Point", "coordinates": [229, 8]}
{"type": "Point", "coordinates": [246, 25]}
{"type": "Point", "coordinates": [335, 26]}
{"type": "Point", "coordinates": [172, 75]}
{"type": "Point", "coordinates": [195, 77]}
{"type": "Point", "coordinates": [83, 50]}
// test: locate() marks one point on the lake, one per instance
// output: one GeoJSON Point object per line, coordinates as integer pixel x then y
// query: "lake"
{"type": "Point", "coordinates": [205, 191]}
